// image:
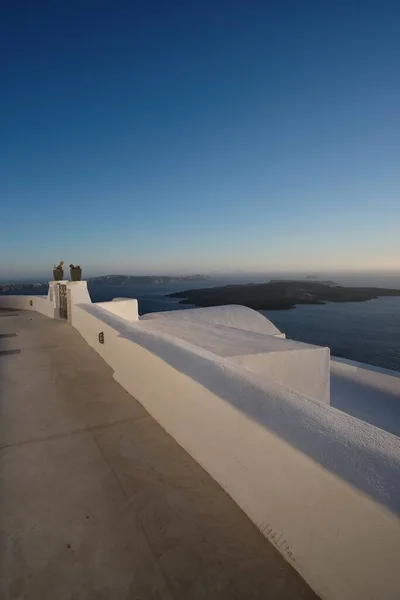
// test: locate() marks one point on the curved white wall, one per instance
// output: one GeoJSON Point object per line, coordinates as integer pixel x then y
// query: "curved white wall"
{"type": "Point", "coordinates": [239, 317]}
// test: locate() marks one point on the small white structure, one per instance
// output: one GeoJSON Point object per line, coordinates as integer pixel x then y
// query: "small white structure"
{"type": "Point", "coordinates": [64, 294]}
{"type": "Point", "coordinates": [301, 367]}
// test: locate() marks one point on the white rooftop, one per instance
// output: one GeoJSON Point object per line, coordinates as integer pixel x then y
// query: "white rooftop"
{"type": "Point", "coordinates": [222, 340]}
{"type": "Point", "coordinates": [239, 317]}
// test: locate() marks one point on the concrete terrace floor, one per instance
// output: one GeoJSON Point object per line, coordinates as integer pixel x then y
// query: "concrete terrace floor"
{"type": "Point", "coordinates": [97, 501]}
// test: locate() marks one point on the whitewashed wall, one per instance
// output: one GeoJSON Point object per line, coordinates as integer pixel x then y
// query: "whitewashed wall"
{"type": "Point", "coordinates": [39, 304]}
{"type": "Point", "coordinates": [305, 369]}
{"type": "Point", "coordinates": [322, 486]}
{"type": "Point", "coordinates": [48, 305]}
{"type": "Point", "coordinates": [127, 308]}
{"type": "Point", "coordinates": [368, 375]}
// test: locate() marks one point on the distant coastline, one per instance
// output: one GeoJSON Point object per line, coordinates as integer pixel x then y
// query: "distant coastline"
{"type": "Point", "coordinates": [147, 279]}
{"type": "Point", "coordinates": [280, 294]}
{"type": "Point", "coordinates": [104, 280]}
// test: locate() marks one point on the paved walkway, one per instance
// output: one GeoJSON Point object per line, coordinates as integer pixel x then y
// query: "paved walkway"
{"type": "Point", "coordinates": [97, 501]}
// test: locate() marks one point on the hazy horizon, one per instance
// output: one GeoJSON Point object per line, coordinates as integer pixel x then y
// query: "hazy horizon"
{"type": "Point", "coordinates": [194, 137]}
{"type": "Point", "coordinates": [231, 274]}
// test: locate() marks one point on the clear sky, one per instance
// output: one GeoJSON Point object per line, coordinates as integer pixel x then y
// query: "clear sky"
{"type": "Point", "coordinates": [176, 136]}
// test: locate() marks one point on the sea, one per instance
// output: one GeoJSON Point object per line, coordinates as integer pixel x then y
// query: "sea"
{"type": "Point", "coordinates": [367, 332]}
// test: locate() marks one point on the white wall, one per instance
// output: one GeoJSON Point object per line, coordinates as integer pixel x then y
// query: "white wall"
{"type": "Point", "coordinates": [305, 370]}
{"type": "Point", "coordinates": [48, 305]}
{"type": "Point", "coordinates": [127, 308]}
{"type": "Point", "coordinates": [322, 486]}
{"type": "Point", "coordinates": [367, 375]}
{"type": "Point", "coordinates": [77, 292]}
{"type": "Point", "coordinates": [369, 393]}
{"type": "Point", "coordinates": [40, 304]}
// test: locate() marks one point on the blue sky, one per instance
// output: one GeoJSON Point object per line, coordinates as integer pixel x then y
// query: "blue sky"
{"type": "Point", "coordinates": [158, 136]}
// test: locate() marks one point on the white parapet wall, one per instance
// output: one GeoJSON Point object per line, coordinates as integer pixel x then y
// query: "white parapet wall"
{"type": "Point", "coordinates": [40, 304]}
{"type": "Point", "coordinates": [76, 292]}
{"type": "Point", "coordinates": [127, 308]}
{"type": "Point", "coordinates": [322, 486]}
{"type": "Point", "coordinates": [368, 375]}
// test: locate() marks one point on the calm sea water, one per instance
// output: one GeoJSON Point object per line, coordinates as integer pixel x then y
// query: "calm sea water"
{"type": "Point", "coordinates": [364, 331]}
{"type": "Point", "coordinates": [368, 332]}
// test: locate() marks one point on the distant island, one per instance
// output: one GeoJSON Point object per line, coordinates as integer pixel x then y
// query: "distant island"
{"type": "Point", "coordinates": [24, 288]}
{"type": "Point", "coordinates": [103, 280]}
{"type": "Point", "coordinates": [327, 282]}
{"type": "Point", "coordinates": [278, 295]}
{"type": "Point", "coordinates": [153, 279]}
